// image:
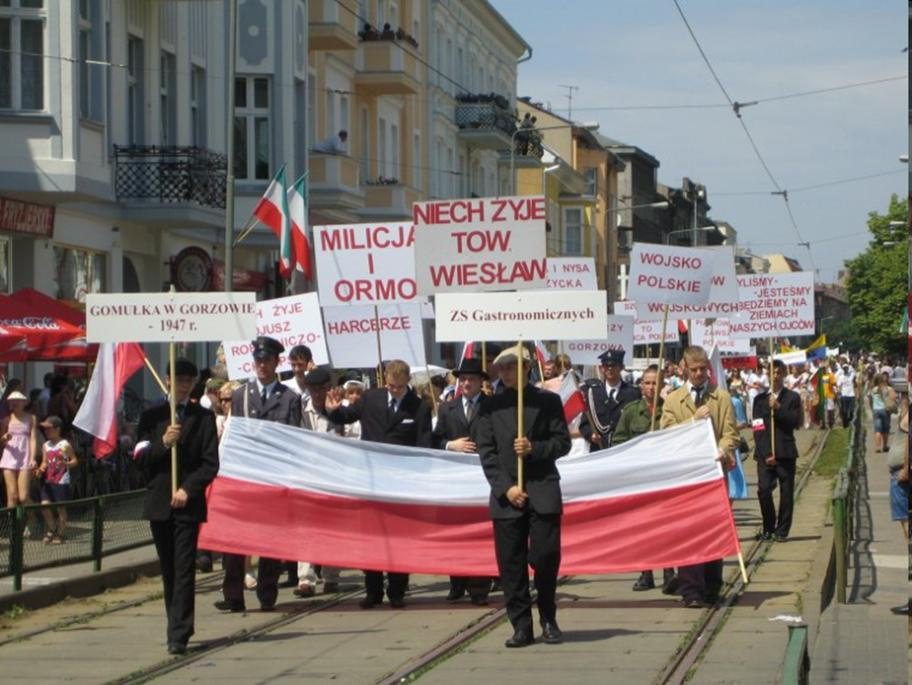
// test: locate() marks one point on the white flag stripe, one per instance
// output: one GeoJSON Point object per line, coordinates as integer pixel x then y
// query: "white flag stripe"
{"type": "Point", "coordinates": [98, 409]}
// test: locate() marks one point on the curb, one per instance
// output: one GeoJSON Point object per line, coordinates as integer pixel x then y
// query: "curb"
{"type": "Point", "coordinates": [81, 586]}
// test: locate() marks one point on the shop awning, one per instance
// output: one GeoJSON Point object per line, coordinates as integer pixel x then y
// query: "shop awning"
{"type": "Point", "coordinates": [51, 330]}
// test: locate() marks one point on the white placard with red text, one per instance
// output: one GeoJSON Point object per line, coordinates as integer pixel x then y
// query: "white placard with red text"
{"type": "Point", "coordinates": [365, 263]}
{"type": "Point", "coordinates": [723, 296]}
{"type": "Point", "coordinates": [647, 332]}
{"type": "Point", "coordinates": [292, 321]}
{"type": "Point", "coordinates": [719, 334]}
{"type": "Point", "coordinates": [480, 244]}
{"type": "Point", "coordinates": [775, 305]}
{"type": "Point", "coordinates": [619, 337]}
{"type": "Point", "coordinates": [572, 273]}
{"type": "Point", "coordinates": [667, 274]}
{"type": "Point", "coordinates": [352, 334]}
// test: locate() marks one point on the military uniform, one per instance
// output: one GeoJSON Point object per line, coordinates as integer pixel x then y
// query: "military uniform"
{"type": "Point", "coordinates": [636, 418]}
{"type": "Point", "coordinates": [604, 404]}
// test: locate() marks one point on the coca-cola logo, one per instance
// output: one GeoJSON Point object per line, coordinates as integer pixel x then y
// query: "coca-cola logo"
{"type": "Point", "coordinates": [34, 322]}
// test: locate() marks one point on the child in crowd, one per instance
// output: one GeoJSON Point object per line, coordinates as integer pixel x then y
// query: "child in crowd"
{"type": "Point", "coordinates": [57, 458]}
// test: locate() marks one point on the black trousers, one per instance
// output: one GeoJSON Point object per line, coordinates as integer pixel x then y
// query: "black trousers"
{"type": "Point", "coordinates": [395, 588]}
{"type": "Point", "coordinates": [529, 540]}
{"type": "Point", "coordinates": [767, 478]}
{"type": "Point", "coordinates": [700, 581]}
{"type": "Point", "coordinates": [268, 572]}
{"type": "Point", "coordinates": [847, 406]}
{"type": "Point", "coordinates": [175, 542]}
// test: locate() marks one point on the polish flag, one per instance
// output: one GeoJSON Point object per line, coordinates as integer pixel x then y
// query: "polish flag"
{"type": "Point", "coordinates": [297, 208]}
{"type": "Point", "coordinates": [391, 508]}
{"type": "Point", "coordinates": [114, 366]}
{"type": "Point", "coordinates": [571, 396]}
{"type": "Point", "coordinates": [541, 353]}
{"type": "Point", "coordinates": [272, 211]}
{"type": "Point", "coordinates": [468, 351]}
{"type": "Point", "coordinates": [716, 370]}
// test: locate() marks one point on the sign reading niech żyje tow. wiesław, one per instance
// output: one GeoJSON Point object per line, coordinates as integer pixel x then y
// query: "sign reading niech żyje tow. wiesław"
{"type": "Point", "coordinates": [775, 306]}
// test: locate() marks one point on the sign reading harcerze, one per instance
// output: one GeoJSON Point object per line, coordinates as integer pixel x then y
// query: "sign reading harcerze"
{"type": "Point", "coordinates": [25, 217]}
{"type": "Point", "coordinates": [170, 317]}
{"type": "Point", "coordinates": [524, 315]}
{"type": "Point", "coordinates": [775, 305]}
{"type": "Point", "coordinates": [670, 275]}
{"type": "Point", "coordinates": [351, 333]}
{"type": "Point", "coordinates": [480, 244]}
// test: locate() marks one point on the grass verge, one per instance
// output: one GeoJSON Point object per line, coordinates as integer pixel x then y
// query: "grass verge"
{"type": "Point", "coordinates": [832, 457]}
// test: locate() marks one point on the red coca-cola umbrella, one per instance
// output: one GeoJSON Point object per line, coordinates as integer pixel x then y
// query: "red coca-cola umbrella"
{"type": "Point", "coordinates": [51, 330]}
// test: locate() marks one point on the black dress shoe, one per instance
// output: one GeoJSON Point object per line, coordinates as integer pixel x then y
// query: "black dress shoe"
{"type": "Point", "coordinates": [370, 602]}
{"type": "Point", "coordinates": [233, 605]}
{"type": "Point", "coordinates": [267, 607]}
{"type": "Point", "coordinates": [670, 583]}
{"type": "Point", "coordinates": [695, 603]}
{"type": "Point", "coordinates": [781, 538]}
{"type": "Point", "coordinates": [397, 603]}
{"type": "Point", "coordinates": [455, 594]}
{"type": "Point", "coordinates": [521, 638]}
{"type": "Point", "coordinates": [646, 581]}
{"type": "Point", "coordinates": [763, 536]}
{"type": "Point", "coordinates": [177, 648]}
{"type": "Point", "coordinates": [551, 634]}
{"type": "Point", "coordinates": [480, 601]}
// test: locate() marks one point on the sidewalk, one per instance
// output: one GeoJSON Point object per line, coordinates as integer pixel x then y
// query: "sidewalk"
{"type": "Point", "coordinates": [862, 641]}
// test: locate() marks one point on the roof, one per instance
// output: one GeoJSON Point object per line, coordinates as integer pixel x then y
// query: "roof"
{"type": "Point", "coordinates": [620, 148]}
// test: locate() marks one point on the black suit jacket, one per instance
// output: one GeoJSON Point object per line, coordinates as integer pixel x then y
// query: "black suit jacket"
{"type": "Point", "coordinates": [197, 461]}
{"type": "Point", "coordinates": [452, 423]}
{"type": "Point", "coordinates": [410, 426]}
{"type": "Point", "coordinates": [283, 405]}
{"type": "Point", "coordinates": [789, 416]}
{"type": "Point", "coordinates": [606, 411]}
{"type": "Point", "coordinates": [494, 432]}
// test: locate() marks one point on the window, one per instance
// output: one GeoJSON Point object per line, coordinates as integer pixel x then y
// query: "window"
{"type": "Point", "coordinates": [342, 124]}
{"type": "Point", "coordinates": [168, 87]}
{"type": "Point", "coordinates": [198, 106]}
{"type": "Point", "coordinates": [252, 157]}
{"type": "Point", "coordinates": [394, 171]}
{"type": "Point", "coordinates": [301, 114]}
{"type": "Point", "coordinates": [21, 55]}
{"type": "Point", "coordinates": [416, 159]}
{"type": "Point", "coordinates": [381, 14]}
{"type": "Point", "coordinates": [77, 273]}
{"type": "Point", "coordinates": [136, 114]}
{"type": "Point", "coordinates": [381, 147]}
{"type": "Point", "coordinates": [85, 54]}
{"type": "Point", "coordinates": [591, 174]}
{"type": "Point", "coordinates": [573, 231]}
{"type": "Point", "coordinates": [311, 109]}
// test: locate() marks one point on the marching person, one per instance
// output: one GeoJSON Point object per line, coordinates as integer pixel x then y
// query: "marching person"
{"type": "Point", "coordinates": [263, 398]}
{"type": "Point", "coordinates": [526, 521]}
{"type": "Point", "coordinates": [175, 519]}
{"type": "Point", "coordinates": [393, 415]}
{"type": "Point", "coordinates": [778, 467]}
{"type": "Point", "coordinates": [301, 360]}
{"type": "Point", "coordinates": [605, 399]}
{"type": "Point", "coordinates": [698, 398]}
{"type": "Point", "coordinates": [453, 432]}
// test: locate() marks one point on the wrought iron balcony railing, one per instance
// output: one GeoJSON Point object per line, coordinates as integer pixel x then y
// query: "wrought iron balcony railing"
{"type": "Point", "coordinates": [170, 175]}
{"type": "Point", "coordinates": [485, 116]}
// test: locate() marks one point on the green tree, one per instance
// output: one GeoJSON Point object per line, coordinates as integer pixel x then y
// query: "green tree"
{"type": "Point", "coordinates": [877, 285]}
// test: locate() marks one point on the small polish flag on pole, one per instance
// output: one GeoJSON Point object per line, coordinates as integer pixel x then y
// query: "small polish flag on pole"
{"type": "Point", "coordinates": [571, 397]}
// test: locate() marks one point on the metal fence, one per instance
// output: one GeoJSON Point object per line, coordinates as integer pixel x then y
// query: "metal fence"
{"type": "Point", "coordinates": [96, 527]}
{"type": "Point", "coordinates": [844, 502]}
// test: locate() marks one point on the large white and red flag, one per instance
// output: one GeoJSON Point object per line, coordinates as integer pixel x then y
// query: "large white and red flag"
{"type": "Point", "coordinates": [571, 397]}
{"type": "Point", "coordinates": [272, 211]}
{"type": "Point", "coordinates": [353, 504]}
{"type": "Point", "coordinates": [115, 365]}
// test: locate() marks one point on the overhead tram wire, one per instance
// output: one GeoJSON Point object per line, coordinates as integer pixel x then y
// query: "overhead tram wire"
{"type": "Point", "coordinates": [817, 186]}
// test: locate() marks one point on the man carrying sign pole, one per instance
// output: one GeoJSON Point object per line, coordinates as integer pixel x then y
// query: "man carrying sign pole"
{"type": "Point", "coordinates": [520, 434]}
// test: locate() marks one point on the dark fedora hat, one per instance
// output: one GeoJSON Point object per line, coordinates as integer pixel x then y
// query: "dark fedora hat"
{"type": "Point", "coordinates": [470, 366]}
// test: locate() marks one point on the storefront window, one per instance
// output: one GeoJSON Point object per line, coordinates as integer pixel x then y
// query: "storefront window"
{"type": "Point", "coordinates": [78, 272]}
{"type": "Point", "coordinates": [5, 275]}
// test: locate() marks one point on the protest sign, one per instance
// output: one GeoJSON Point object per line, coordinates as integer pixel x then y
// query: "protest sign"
{"type": "Point", "coordinates": [793, 357]}
{"type": "Point", "coordinates": [723, 295]}
{"type": "Point", "coordinates": [480, 244]}
{"type": "Point", "coordinates": [671, 275]}
{"type": "Point", "coordinates": [646, 332]}
{"type": "Point", "coordinates": [292, 321]}
{"type": "Point", "coordinates": [351, 334]}
{"type": "Point", "coordinates": [572, 273]}
{"type": "Point", "coordinates": [521, 316]}
{"type": "Point", "coordinates": [775, 305]}
{"type": "Point", "coordinates": [169, 317]}
{"type": "Point", "coordinates": [718, 334]}
{"type": "Point", "coordinates": [619, 336]}
{"type": "Point", "coordinates": [365, 263]}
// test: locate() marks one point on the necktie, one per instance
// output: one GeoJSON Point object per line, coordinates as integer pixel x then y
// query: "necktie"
{"type": "Point", "coordinates": [698, 395]}
{"type": "Point", "coordinates": [181, 408]}
{"type": "Point", "coordinates": [392, 408]}
{"type": "Point", "coordinates": [470, 410]}
{"type": "Point", "coordinates": [612, 394]}
{"type": "Point", "coordinates": [265, 395]}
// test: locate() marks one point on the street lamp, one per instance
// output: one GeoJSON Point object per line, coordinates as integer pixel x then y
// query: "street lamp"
{"type": "Point", "coordinates": [687, 230]}
{"type": "Point", "coordinates": [589, 126]}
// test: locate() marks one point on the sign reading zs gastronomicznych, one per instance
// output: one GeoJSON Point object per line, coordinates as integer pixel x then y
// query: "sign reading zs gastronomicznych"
{"type": "Point", "coordinates": [525, 315]}
{"type": "Point", "coordinates": [480, 244]}
{"type": "Point", "coordinates": [665, 274]}
{"type": "Point", "coordinates": [170, 317]}
{"type": "Point", "coordinates": [365, 263]}
{"type": "Point", "coordinates": [775, 305]}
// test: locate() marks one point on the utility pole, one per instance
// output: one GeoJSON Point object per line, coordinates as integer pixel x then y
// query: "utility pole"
{"type": "Point", "coordinates": [570, 90]}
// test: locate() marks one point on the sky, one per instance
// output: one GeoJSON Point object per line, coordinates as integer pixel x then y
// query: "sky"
{"type": "Point", "coordinates": [623, 53]}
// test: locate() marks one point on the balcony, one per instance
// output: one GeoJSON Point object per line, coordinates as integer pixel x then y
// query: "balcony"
{"type": "Point", "coordinates": [385, 68]}
{"type": "Point", "coordinates": [334, 186]}
{"type": "Point", "coordinates": [389, 201]}
{"type": "Point", "coordinates": [332, 27]}
{"type": "Point", "coordinates": [485, 122]}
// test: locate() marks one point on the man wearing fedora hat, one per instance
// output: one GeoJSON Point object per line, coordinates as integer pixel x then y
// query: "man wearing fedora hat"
{"type": "Point", "coordinates": [264, 397]}
{"type": "Point", "coordinates": [526, 520]}
{"type": "Point", "coordinates": [605, 399]}
{"type": "Point", "coordinates": [453, 432]}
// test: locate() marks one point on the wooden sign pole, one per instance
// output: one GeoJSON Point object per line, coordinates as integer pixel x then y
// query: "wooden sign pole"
{"type": "Point", "coordinates": [520, 427]}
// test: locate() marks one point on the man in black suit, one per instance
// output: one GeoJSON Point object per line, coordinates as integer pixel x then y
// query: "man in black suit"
{"type": "Point", "coordinates": [453, 433]}
{"type": "Point", "coordinates": [393, 415]}
{"type": "Point", "coordinates": [605, 400]}
{"type": "Point", "coordinates": [779, 467]}
{"type": "Point", "coordinates": [526, 520]}
{"type": "Point", "coordinates": [175, 518]}
{"type": "Point", "coordinates": [267, 399]}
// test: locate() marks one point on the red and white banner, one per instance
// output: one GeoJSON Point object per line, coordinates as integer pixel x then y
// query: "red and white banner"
{"type": "Point", "coordinates": [618, 337]}
{"type": "Point", "coordinates": [352, 504]}
{"type": "Point", "coordinates": [571, 396]}
{"type": "Point", "coordinates": [775, 305]}
{"type": "Point", "coordinates": [480, 244]}
{"type": "Point", "coordinates": [351, 333]}
{"type": "Point", "coordinates": [647, 332]}
{"type": "Point", "coordinates": [670, 275]}
{"type": "Point", "coordinates": [718, 334]}
{"type": "Point", "coordinates": [292, 321]}
{"type": "Point", "coordinates": [365, 263]}
{"type": "Point", "coordinates": [572, 273]}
